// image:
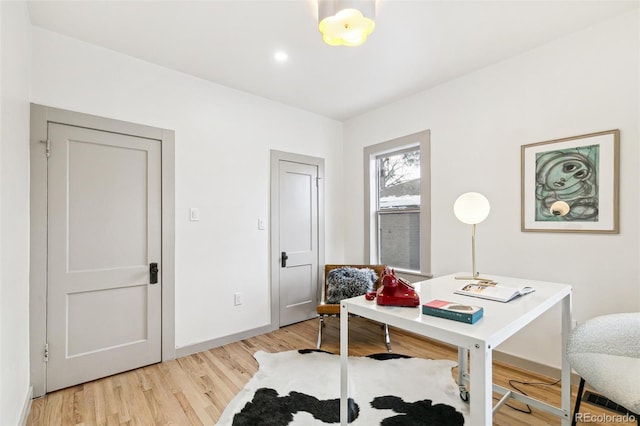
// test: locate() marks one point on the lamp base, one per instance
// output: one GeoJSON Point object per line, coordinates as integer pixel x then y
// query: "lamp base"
{"type": "Point", "coordinates": [476, 278]}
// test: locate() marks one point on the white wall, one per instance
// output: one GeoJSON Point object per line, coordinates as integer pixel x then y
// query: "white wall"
{"type": "Point", "coordinates": [586, 82]}
{"type": "Point", "coordinates": [14, 213]}
{"type": "Point", "coordinates": [223, 140]}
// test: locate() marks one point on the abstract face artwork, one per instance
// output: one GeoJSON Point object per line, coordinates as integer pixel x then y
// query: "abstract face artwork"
{"type": "Point", "coordinates": [571, 184]}
{"type": "Point", "coordinates": [568, 176]}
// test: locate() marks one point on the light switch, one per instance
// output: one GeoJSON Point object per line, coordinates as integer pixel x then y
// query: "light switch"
{"type": "Point", "coordinates": [194, 214]}
{"type": "Point", "coordinates": [261, 223]}
{"type": "Point", "coordinates": [238, 299]}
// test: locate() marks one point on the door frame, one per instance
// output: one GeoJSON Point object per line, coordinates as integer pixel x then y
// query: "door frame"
{"type": "Point", "coordinates": [276, 157]}
{"type": "Point", "coordinates": [40, 117]}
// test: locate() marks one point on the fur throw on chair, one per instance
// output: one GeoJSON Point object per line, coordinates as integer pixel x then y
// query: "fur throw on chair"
{"type": "Point", "coordinates": [343, 283]}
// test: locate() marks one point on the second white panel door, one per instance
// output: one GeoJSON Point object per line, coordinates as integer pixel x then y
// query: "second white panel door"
{"type": "Point", "coordinates": [298, 190]}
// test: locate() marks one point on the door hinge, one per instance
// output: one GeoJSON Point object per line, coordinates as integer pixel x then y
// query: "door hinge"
{"type": "Point", "coordinates": [48, 147]}
{"type": "Point", "coordinates": [318, 182]}
{"type": "Point", "coordinates": [46, 352]}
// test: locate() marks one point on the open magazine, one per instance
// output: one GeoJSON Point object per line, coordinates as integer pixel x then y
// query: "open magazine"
{"type": "Point", "coordinates": [493, 291]}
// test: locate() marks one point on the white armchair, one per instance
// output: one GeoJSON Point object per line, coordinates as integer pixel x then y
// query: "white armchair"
{"type": "Point", "coordinates": [605, 352]}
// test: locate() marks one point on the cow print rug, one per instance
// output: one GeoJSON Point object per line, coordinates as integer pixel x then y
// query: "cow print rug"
{"type": "Point", "coordinates": [303, 388]}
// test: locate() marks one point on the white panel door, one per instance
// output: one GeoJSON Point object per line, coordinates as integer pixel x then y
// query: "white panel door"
{"type": "Point", "coordinates": [104, 231]}
{"type": "Point", "coordinates": [298, 241]}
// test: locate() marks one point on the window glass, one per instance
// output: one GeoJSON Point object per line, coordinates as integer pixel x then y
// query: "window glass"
{"type": "Point", "coordinates": [399, 180]}
{"type": "Point", "coordinates": [398, 214]}
{"type": "Point", "coordinates": [399, 237]}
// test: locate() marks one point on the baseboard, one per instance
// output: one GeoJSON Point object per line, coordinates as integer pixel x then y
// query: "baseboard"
{"type": "Point", "coordinates": [504, 358]}
{"type": "Point", "coordinates": [221, 341]}
{"type": "Point", "coordinates": [26, 408]}
{"type": "Point", "coordinates": [532, 366]}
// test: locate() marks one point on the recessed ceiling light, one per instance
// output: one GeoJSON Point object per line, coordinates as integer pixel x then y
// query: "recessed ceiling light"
{"type": "Point", "coordinates": [281, 56]}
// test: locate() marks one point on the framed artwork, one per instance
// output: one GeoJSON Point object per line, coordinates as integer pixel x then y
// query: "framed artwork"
{"type": "Point", "coordinates": [571, 184]}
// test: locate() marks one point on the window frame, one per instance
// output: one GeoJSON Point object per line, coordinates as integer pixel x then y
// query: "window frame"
{"type": "Point", "coordinates": [422, 141]}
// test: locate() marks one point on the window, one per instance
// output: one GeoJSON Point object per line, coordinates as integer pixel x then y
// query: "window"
{"type": "Point", "coordinates": [398, 208]}
{"type": "Point", "coordinates": [397, 186]}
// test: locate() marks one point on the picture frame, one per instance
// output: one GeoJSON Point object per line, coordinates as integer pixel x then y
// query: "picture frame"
{"type": "Point", "coordinates": [571, 184]}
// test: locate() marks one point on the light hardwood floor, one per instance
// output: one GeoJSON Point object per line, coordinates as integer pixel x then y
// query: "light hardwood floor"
{"type": "Point", "coordinates": [195, 389]}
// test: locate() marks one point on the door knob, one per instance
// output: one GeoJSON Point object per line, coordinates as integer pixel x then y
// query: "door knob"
{"type": "Point", "coordinates": [284, 258]}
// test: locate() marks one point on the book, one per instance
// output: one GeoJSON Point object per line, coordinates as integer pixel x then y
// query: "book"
{"type": "Point", "coordinates": [493, 291]}
{"type": "Point", "coordinates": [452, 310]}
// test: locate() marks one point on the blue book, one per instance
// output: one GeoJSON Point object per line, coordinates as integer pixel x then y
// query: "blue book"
{"type": "Point", "coordinates": [453, 311]}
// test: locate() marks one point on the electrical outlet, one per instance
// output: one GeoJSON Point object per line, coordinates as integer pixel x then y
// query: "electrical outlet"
{"type": "Point", "coordinates": [238, 299]}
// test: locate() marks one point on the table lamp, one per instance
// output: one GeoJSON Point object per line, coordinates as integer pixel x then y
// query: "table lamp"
{"type": "Point", "coordinates": [472, 208]}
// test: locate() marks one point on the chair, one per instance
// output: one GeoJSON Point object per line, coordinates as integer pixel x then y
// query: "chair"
{"type": "Point", "coordinates": [329, 309]}
{"type": "Point", "coordinates": [605, 352]}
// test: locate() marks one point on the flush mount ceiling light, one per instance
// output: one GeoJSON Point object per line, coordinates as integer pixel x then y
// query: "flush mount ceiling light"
{"type": "Point", "coordinates": [281, 56]}
{"type": "Point", "coordinates": [346, 22]}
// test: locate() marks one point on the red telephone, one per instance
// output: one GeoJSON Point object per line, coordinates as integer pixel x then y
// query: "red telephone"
{"type": "Point", "coordinates": [396, 291]}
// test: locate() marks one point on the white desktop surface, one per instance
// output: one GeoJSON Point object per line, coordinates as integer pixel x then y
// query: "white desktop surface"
{"type": "Point", "coordinates": [499, 322]}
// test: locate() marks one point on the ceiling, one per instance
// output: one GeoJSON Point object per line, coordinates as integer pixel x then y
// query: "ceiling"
{"type": "Point", "coordinates": [416, 45]}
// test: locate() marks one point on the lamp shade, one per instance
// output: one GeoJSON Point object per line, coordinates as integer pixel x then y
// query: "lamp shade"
{"type": "Point", "coordinates": [471, 208]}
{"type": "Point", "coordinates": [345, 22]}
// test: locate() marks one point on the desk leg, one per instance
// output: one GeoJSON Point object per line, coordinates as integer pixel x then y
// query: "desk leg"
{"type": "Point", "coordinates": [481, 399]}
{"type": "Point", "coordinates": [463, 373]}
{"type": "Point", "coordinates": [565, 393]}
{"type": "Point", "coordinates": [344, 364]}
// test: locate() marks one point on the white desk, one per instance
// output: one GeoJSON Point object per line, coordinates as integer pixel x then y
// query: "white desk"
{"type": "Point", "coordinates": [500, 321]}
